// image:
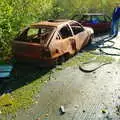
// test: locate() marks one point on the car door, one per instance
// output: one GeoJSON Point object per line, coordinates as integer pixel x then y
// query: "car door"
{"type": "Point", "coordinates": [80, 35]}
{"type": "Point", "coordinates": [107, 22]}
{"type": "Point", "coordinates": [89, 21]}
{"type": "Point", "coordinates": [62, 42]}
{"type": "Point", "coordinates": [102, 25]}
{"type": "Point", "coordinates": [30, 44]}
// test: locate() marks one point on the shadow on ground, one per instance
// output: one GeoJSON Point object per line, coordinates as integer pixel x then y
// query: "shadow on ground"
{"type": "Point", "coordinates": [97, 41]}
{"type": "Point", "coordinates": [25, 73]}
{"type": "Point", "coordinates": [21, 75]}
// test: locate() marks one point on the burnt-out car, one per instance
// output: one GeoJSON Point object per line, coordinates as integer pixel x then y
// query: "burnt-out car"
{"type": "Point", "coordinates": [50, 41]}
{"type": "Point", "coordinates": [98, 21]}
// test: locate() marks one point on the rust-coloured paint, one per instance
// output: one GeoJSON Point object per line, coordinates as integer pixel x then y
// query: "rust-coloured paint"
{"type": "Point", "coordinates": [52, 40]}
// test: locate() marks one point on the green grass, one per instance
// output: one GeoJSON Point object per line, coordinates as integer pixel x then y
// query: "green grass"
{"type": "Point", "coordinates": [22, 97]}
{"type": "Point", "coordinates": [86, 57]}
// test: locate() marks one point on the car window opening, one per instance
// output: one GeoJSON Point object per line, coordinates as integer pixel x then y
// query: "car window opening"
{"type": "Point", "coordinates": [65, 32]}
{"type": "Point", "coordinates": [76, 28]}
{"type": "Point", "coordinates": [36, 34]}
{"type": "Point", "coordinates": [86, 18]}
{"type": "Point", "coordinates": [58, 37]}
{"type": "Point", "coordinates": [95, 20]}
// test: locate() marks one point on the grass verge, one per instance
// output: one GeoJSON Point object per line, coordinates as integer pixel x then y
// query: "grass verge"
{"type": "Point", "coordinates": [21, 97]}
{"type": "Point", "coordinates": [86, 57]}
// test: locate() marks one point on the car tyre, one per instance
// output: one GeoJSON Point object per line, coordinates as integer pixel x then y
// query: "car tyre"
{"type": "Point", "coordinates": [91, 38]}
{"type": "Point", "coordinates": [60, 60]}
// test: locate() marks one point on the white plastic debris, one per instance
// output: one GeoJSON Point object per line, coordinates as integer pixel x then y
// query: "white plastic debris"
{"type": "Point", "coordinates": [62, 109]}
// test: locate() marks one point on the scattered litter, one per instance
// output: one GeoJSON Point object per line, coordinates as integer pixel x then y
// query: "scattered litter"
{"type": "Point", "coordinates": [103, 111]}
{"type": "Point", "coordinates": [118, 110]}
{"type": "Point", "coordinates": [36, 102]}
{"type": "Point", "coordinates": [62, 109]}
{"type": "Point", "coordinates": [0, 112]}
{"type": "Point", "coordinates": [76, 106]}
{"type": "Point", "coordinates": [58, 67]}
{"type": "Point", "coordinates": [83, 111]}
{"type": "Point", "coordinates": [46, 115]}
{"type": "Point", "coordinates": [6, 100]}
{"type": "Point", "coordinates": [45, 81]}
{"type": "Point", "coordinates": [93, 72]}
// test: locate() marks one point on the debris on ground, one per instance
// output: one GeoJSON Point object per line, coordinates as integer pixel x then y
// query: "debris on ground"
{"type": "Point", "coordinates": [83, 111]}
{"type": "Point", "coordinates": [103, 111]}
{"type": "Point", "coordinates": [46, 115]}
{"type": "Point", "coordinates": [59, 68]}
{"type": "Point", "coordinates": [62, 110]}
{"type": "Point", "coordinates": [36, 102]}
{"type": "Point", "coordinates": [118, 110]}
{"type": "Point", "coordinates": [6, 100]}
{"type": "Point", "coordinates": [76, 106]}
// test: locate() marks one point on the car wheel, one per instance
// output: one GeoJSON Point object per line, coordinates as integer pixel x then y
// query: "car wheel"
{"type": "Point", "coordinates": [91, 38]}
{"type": "Point", "coordinates": [73, 49]}
{"type": "Point", "coordinates": [67, 56]}
{"type": "Point", "coordinates": [60, 60]}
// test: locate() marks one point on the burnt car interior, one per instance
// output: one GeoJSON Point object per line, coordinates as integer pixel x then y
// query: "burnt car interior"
{"type": "Point", "coordinates": [65, 32]}
{"type": "Point", "coordinates": [76, 28]}
{"type": "Point", "coordinates": [36, 34]}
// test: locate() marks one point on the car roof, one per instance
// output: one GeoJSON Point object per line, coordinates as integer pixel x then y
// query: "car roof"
{"type": "Point", "coordinates": [51, 23]}
{"type": "Point", "coordinates": [93, 14]}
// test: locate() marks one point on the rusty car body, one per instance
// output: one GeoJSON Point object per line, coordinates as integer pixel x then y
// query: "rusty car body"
{"type": "Point", "coordinates": [50, 41]}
